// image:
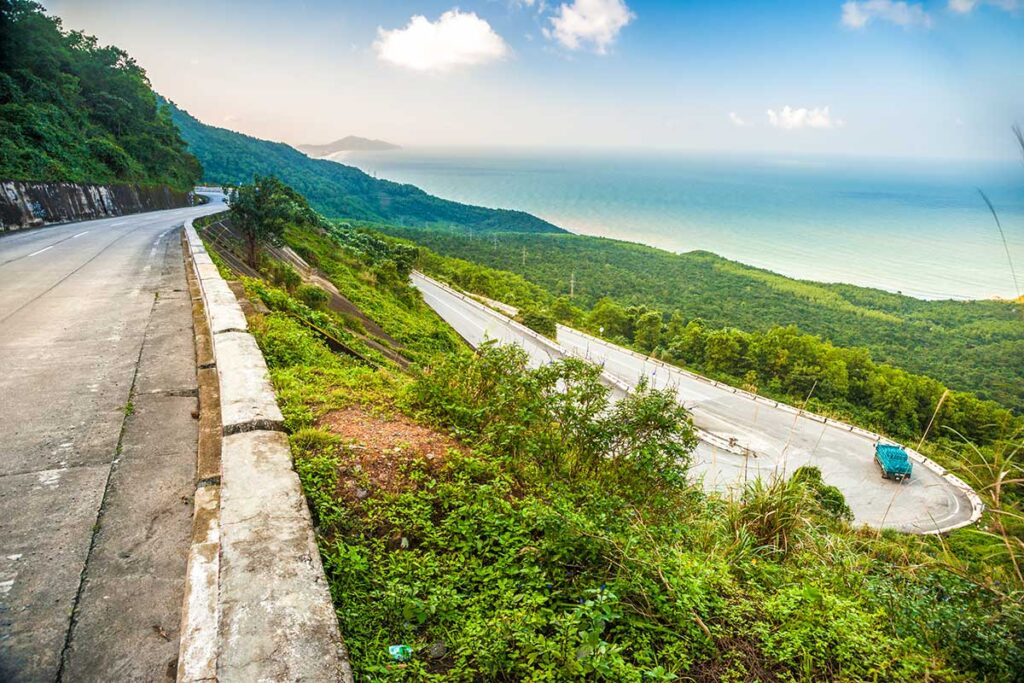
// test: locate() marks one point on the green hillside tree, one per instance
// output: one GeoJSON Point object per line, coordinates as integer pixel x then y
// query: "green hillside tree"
{"type": "Point", "coordinates": [260, 211]}
{"type": "Point", "coordinates": [647, 331]}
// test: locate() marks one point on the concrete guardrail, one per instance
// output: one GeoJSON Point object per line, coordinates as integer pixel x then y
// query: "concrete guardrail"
{"type": "Point", "coordinates": [257, 604]}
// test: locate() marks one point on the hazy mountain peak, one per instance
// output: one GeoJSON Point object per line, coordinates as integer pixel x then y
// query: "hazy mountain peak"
{"type": "Point", "coordinates": [349, 143]}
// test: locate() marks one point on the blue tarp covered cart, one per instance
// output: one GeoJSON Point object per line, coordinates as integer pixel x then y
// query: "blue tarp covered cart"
{"type": "Point", "coordinates": [894, 461]}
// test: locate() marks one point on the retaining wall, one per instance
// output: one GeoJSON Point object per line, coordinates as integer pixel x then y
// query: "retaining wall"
{"type": "Point", "coordinates": [27, 204]}
{"type": "Point", "coordinates": [257, 606]}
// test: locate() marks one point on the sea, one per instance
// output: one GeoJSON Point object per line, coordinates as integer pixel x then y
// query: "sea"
{"type": "Point", "coordinates": [918, 227]}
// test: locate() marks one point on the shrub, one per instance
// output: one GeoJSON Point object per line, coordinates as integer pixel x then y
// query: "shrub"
{"type": "Point", "coordinates": [312, 296]}
{"type": "Point", "coordinates": [559, 419]}
{"type": "Point", "coordinates": [830, 498]}
{"type": "Point", "coordinates": [539, 320]}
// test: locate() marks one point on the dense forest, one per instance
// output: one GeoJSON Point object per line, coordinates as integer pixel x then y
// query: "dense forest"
{"type": "Point", "coordinates": [334, 189]}
{"type": "Point", "coordinates": [73, 110]}
{"type": "Point", "coordinates": [969, 345]}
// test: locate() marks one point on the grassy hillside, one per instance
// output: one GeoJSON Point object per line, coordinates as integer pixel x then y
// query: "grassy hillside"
{"type": "Point", "coordinates": [973, 346]}
{"type": "Point", "coordinates": [337, 190]}
{"type": "Point", "coordinates": [506, 530]}
{"type": "Point", "coordinates": [73, 110]}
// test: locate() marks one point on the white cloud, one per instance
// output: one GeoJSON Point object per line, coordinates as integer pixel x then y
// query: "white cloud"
{"type": "Point", "coordinates": [596, 22]}
{"type": "Point", "coordinates": [967, 6]}
{"type": "Point", "coordinates": [737, 120]}
{"type": "Point", "coordinates": [962, 6]}
{"type": "Point", "coordinates": [858, 14]}
{"type": "Point", "coordinates": [789, 118]}
{"type": "Point", "coordinates": [455, 39]}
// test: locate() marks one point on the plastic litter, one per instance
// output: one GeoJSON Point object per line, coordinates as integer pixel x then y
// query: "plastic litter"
{"type": "Point", "coordinates": [400, 653]}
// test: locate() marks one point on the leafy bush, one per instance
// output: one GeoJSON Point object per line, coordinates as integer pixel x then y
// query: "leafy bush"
{"type": "Point", "coordinates": [538, 320]}
{"type": "Point", "coordinates": [559, 419]}
{"type": "Point", "coordinates": [830, 498]}
{"type": "Point", "coordinates": [312, 296]}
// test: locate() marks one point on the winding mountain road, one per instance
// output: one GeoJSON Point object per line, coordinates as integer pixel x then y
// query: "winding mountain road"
{"type": "Point", "coordinates": [744, 436]}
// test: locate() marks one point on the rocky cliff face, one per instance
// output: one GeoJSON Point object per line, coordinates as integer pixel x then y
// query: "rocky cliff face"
{"type": "Point", "coordinates": [26, 204]}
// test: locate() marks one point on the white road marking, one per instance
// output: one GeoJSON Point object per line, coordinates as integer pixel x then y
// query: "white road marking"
{"type": "Point", "coordinates": [36, 253]}
{"type": "Point", "coordinates": [84, 232]}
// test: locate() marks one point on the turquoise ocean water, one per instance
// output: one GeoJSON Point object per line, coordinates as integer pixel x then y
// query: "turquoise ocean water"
{"type": "Point", "coordinates": [918, 227]}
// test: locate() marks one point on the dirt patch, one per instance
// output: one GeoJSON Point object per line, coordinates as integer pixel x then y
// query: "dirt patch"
{"type": "Point", "coordinates": [380, 448]}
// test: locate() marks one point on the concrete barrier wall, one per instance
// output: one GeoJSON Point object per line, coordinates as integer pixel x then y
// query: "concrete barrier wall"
{"type": "Point", "coordinates": [26, 205]}
{"type": "Point", "coordinates": [977, 507]}
{"type": "Point", "coordinates": [265, 601]}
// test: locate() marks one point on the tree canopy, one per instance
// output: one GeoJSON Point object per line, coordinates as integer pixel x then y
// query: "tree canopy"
{"type": "Point", "coordinates": [74, 110]}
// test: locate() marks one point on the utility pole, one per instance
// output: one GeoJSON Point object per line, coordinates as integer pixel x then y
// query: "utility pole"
{"type": "Point", "coordinates": [572, 284]}
{"type": "Point", "coordinates": [524, 256]}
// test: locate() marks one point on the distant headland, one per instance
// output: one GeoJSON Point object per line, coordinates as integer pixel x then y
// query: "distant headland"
{"type": "Point", "coordinates": [350, 143]}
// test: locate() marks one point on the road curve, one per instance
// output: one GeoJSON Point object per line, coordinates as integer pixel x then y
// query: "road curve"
{"type": "Point", "coordinates": [778, 437]}
{"type": "Point", "coordinates": [88, 311]}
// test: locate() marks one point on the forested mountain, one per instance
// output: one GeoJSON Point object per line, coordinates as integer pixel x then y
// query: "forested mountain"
{"type": "Point", "coordinates": [73, 110]}
{"type": "Point", "coordinates": [336, 190]}
{"type": "Point", "coordinates": [969, 345]}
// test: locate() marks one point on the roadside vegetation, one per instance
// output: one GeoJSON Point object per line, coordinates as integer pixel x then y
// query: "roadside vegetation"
{"type": "Point", "coordinates": [509, 523]}
{"type": "Point", "coordinates": [72, 110]}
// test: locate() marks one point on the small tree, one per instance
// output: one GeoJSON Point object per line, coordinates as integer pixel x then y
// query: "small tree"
{"type": "Point", "coordinates": [260, 211]}
{"type": "Point", "coordinates": [647, 331]}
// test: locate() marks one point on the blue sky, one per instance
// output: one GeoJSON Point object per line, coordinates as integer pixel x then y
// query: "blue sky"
{"type": "Point", "coordinates": [872, 77]}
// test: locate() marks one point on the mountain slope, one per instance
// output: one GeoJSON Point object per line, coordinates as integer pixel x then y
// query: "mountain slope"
{"type": "Point", "coordinates": [337, 190]}
{"type": "Point", "coordinates": [349, 143]}
{"type": "Point", "coordinates": [73, 110]}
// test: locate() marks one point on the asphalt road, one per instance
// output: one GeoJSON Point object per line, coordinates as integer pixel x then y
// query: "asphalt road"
{"type": "Point", "coordinates": [779, 440]}
{"type": "Point", "coordinates": [97, 447]}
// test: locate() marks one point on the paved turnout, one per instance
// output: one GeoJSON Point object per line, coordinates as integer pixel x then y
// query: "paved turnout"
{"type": "Point", "coordinates": [97, 447]}
{"type": "Point", "coordinates": [778, 438]}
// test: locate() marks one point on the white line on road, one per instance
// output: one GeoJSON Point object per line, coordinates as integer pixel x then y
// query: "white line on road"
{"type": "Point", "coordinates": [36, 253]}
{"type": "Point", "coordinates": [84, 232]}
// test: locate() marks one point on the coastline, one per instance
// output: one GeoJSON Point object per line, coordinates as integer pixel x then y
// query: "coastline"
{"type": "Point", "coordinates": [929, 238]}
